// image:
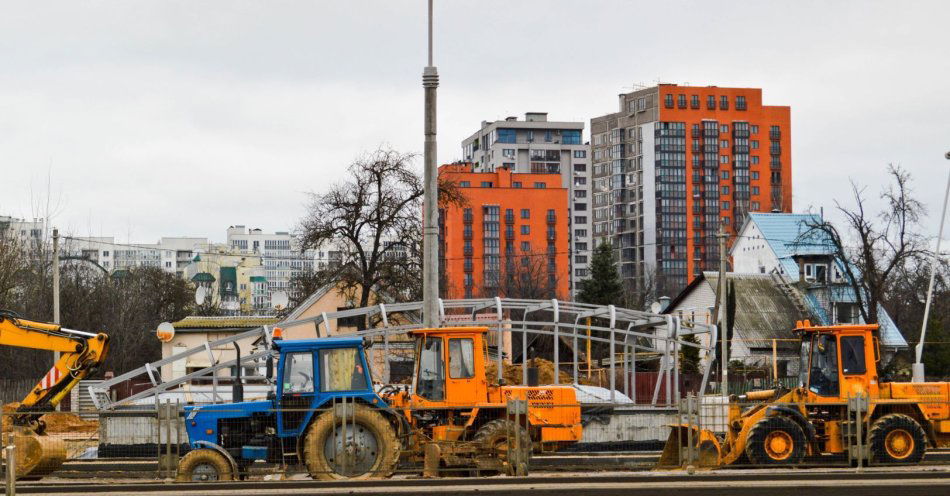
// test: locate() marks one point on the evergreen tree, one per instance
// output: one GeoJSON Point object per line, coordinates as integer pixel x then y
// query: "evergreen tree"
{"type": "Point", "coordinates": [604, 286]}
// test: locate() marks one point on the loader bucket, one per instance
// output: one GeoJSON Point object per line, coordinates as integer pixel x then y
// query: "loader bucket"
{"type": "Point", "coordinates": [37, 455]}
{"type": "Point", "coordinates": [706, 449]}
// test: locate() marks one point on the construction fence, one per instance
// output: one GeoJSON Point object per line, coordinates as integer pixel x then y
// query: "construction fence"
{"type": "Point", "coordinates": [342, 439]}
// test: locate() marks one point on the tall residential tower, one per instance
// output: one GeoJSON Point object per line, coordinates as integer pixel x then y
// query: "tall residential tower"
{"type": "Point", "coordinates": [538, 146]}
{"type": "Point", "coordinates": [674, 164]}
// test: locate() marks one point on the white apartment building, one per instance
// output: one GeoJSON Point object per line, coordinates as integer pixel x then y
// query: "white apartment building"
{"type": "Point", "coordinates": [171, 254]}
{"type": "Point", "coordinates": [536, 145]}
{"type": "Point", "coordinates": [22, 229]}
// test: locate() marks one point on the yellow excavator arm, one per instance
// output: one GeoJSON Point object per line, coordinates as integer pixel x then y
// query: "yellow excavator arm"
{"type": "Point", "coordinates": [81, 353]}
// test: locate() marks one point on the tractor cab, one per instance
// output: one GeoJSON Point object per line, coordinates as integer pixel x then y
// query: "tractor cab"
{"type": "Point", "coordinates": [837, 361]}
{"type": "Point", "coordinates": [450, 367]}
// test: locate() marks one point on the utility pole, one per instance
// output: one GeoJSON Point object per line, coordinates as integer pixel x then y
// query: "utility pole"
{"type": "Point", "coordinates": [918, 366]}
{"type": "Point", "coordinates": [723, 314]}
{"type": "Point", "coordinates": [56, 289]}
{"type": "Point", "coordinates": [430, 240]}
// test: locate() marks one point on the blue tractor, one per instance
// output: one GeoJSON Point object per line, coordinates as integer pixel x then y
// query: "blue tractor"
{"type": "Point", "coordinates": [323, 414]}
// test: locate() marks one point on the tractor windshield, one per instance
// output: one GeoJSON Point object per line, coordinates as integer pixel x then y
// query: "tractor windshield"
{"type": "Point", "coordinates": [823, 373]}
{"type": "Point", "coordinates": [430, 378]}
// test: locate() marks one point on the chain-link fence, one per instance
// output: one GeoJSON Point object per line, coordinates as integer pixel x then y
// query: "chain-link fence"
{"type": "Point", "coordinates": [355, 438]}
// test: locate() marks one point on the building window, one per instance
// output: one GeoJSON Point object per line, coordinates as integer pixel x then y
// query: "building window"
{"type": "Point", "coordinates": [508, 152]}
{"type": "Point", "coordinates": [725, 220]}
{"type": "Point", "coordinates": [755, 144]}
{"type": "Point", "coordinates": [694, 101]}
{"type": "Point", "coordinates": [505, 136]}
{"type": "Point", "coordinates": [580, 193]}
{"type": "Point", "coordinates": [580, 207]}
{"type": "Point", "coordinates": [465, 184]}
{"type": "Point", "coordinates": [580, 246]}
{"type": "Point", "coordinates": [724, 144]}
{"type": "Point", "coordinates": [740, 103]}
{"type": "Point", "coordinates": [571, 137]}
{"type": "Point", "coordinates": [755, 190]}
{"type": "Point", "coordinates": [681, 101]}
{"type": "Point", "coordinates": [754, 129]}
{"type": "Point", "coordinates": [486, 184]}
{"type": "Point", "coordinates": [516, 184]}
{"type": "Point", "coordinates": [723, 159]}
{"type": "Point", "coordinates": [525, 246]}
{"type": "Point", "coordinates": [580, 272]}
{"type": "Point", "coordinates": [579, 154]}
{"type": "Point", "coordinates": [580, 181]}
{"type": "Point", "coordinates": [723, 102]}
{"type": "Point", "coordinates": [580, 219]}
{"type": "Point", "coordinates": [581, 259]}
{"type": "Point", "coordinates": [725, 174]}
{"type": "Point", "coordinates": [580, 233]}
{"type": "Point", "coordinates": [540, 185]}
{"type": "Point", "coordinates": [525, 213]}
{"type": "Point", "coordinates": [755, 206]}
{"type": "Point", "coordinates": [668, 100]}
{"type": "Point", "coordinates": [724, 129]}
{"type": "Point", "coordinates": [755, 174]}
{"type": "Point", "coordinates": [725, 190]}
{"type": "Point", "coordinates": [580, 167]}
{"type": "Point", "coordinates": [525, 229]}
{"type": "Point", "coordinates": [755, 159]}
{"type": "Point", "coordinates": [725, 205]}
{"type": "Point", "coordinates": [711, 102]}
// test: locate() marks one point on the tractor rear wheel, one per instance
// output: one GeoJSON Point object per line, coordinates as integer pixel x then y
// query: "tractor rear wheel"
{"type": "Point", "coordinates": [775, 441]}
{"type": "Point", "coordinates": [494, 440]}
{"type": "Point", "coordinates": [896, 438]}
{"type": "Point", "coordinates": [204, 465]}
{"type": "Point", "coordinates": [363, 447]}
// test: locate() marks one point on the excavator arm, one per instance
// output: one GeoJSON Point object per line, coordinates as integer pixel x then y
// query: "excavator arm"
{"type": "Point", "coordinates": [81, 353]}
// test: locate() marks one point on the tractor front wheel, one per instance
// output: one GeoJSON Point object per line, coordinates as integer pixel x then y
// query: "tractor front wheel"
{"type": "Point", "coordinates": [494, 438]}
{"type": "Point", "coordinates": [896, 438]}
{"type": "Point", "coordinates": [204, 465]}
{"type": "Point", "coordinates": [775, 441]}
{"type": "Point", "coordinates": [362, 446]}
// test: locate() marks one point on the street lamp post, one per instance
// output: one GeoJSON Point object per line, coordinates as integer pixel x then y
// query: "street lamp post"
{"type": "Point", "coordinates": [918, 367]}
{"type": "Point", "coordinates": [430, 241]}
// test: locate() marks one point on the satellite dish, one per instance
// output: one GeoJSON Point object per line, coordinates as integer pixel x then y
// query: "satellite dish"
{"type": "Point", "coordinates": [655, 307]}
{"type": "Point", "coordinates": [165, 332]}
{"type": "Point", "coordinates": [279, 300]}
{"type": "Point", "coordinates": [201, 294]}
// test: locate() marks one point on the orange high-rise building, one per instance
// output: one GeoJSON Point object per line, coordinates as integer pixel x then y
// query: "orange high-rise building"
{"type": "Point", "coordinates": [510, 239]}
{"type": "Point", "coordinates": [675, 164]}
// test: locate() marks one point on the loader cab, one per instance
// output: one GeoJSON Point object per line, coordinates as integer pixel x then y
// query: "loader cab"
{"type": "Point", "coordinates": [837, 361]}
{"type": "Point", "coordinates": [450, 366]}
{"type": "Point", "coordinates": [311, 372]}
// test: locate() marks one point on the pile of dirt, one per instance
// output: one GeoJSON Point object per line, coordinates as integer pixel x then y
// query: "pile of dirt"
{"type": "Point", "coordinates": [512, 373]}
{"type": "Point", "coordinates": [55, 422]}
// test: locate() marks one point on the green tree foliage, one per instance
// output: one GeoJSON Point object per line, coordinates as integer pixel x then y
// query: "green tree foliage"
{"type": "Point", "coordinates": [604, 286]}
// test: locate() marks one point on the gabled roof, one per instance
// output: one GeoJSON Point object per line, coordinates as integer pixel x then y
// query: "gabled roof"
{"type": "Point", "coordinates": [785, 235]}
{"type": "Point", "coordinates": [313, 298]}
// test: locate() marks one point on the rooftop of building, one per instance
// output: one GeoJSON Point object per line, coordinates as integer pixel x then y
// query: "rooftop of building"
{"type": "Point", "coordinates": [236, 323]}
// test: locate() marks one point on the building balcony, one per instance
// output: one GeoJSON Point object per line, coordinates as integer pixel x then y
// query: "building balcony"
{"type": "Point", "coordinates": [467, 235]}
{"type": "Point", "coordinates": [740, 133]}
{"type": "Point", "coordinates": [467, 218]}
{"type": "Point", "coordinates": [775, 134]}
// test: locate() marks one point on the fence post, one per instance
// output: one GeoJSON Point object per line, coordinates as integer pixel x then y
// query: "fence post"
{"type": "Point", "coordinates": [11, 469]}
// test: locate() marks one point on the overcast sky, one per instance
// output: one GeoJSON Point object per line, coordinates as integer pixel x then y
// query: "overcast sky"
{"type": "Point", "coordinates": [170, 118]}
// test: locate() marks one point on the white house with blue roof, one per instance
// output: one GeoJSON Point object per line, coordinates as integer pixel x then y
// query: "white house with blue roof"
{"type": "Point", "coordinates": [775, 243]}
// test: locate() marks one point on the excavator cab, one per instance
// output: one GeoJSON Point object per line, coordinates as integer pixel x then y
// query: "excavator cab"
{"type": "Point", "coordinates": [837, 361]}
{"type": "Point", "coordinates": [450, 368]}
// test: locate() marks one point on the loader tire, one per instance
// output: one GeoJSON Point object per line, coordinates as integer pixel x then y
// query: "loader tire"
{"type": "Point", "coordinates": [493, 440]}
{"type": "Point", "coordinates": [775, 440]}
{"type": "Point", "coordinates": [896, 438]}
{"type": "Point", "coordinates": [371, 449]}
{"type": "Point", "coordinates": [204, 465]}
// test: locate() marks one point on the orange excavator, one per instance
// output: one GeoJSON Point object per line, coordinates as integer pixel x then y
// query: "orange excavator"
{"type": "Point", "coordinates": [81, 353]}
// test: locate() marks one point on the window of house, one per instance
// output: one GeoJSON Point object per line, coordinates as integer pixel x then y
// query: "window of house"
{"type": "Point", "coordinates": [525, 213]}
{"type": "Point", "coordinates": [465, 184]}
{"type": "Point", "coordinates": [723, 159]}
{"type": "Point", "coordinates": [580, 233]}
{"type": "Point", "coordinates": [756, 207]}
{"type": "Point", "coordinates": [668, 100]}
{"type": "Point", "coordinates": [755, 190]}
{"type": "Point", "coordinates": [540, 185]}
{"type": "Point", "coordinates": [754, 129]}
{"type": "Point", "coordinates": [526, 246]}
{"type": "Point", "coordinates": [579, 154]}
{"type": "Point", "coordinates": [755, 144]}
{"type": "Point", "coordinates": [580, 167]}
{"type": "Point", "coordinates": [486, 184]}
{"type": "Point", "coordinates": [516, 184]}
{"type": "Point", "coordinates": [694, 101]}
{"type": "Point", "coordinates": [723, 102]}
{"type": "Point", "coordinates": [508, 152]}
{"type": "Point", "coordinates": [711, 102]}
{"type": "Point", "coordinates": [724, 129]}
{"type": "Point", "coordinates": [740, 103]}
{"type": "Point", "coordinates": [525, 229]}
{"type": "Point", "coordinates": [580, 207]}
{"type": "Point", "coordinates": [755, 174]}
{"type": "Point", "coordinates": [580, 193]}
{"type": "Point", "coordinates": [725, 190]}
{"type": "Point", "coordinates": [725, 174]}
{"type": "Point", "coordinates": [725, 205]}
{"type": "Point", "coordinates": [755, 159]}
{"type": "Point", "coordinates": [580, 246]}
{"type": "Point", "coordinates": [681, 101]}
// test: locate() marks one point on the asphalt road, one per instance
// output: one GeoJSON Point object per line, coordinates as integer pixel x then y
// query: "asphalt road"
{"type": "Point", "coordinates": [903, 482]}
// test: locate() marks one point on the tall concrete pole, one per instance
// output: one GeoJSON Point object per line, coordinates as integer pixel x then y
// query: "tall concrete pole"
{"type": "Point", "coordinates": [56, 289]}
{"type": "Point", "coordinates": [918, 366]}
{"type": "Point", "coordinates": [430, 241]}
{"type": "Point", "coordinates": [723, 313]}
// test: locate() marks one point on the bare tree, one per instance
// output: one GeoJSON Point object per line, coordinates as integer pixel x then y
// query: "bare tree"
{"type": "Point", "coordinates": [874, 248]}
{"type": "Point", "coordinates": [528, 275]}
{"type": "Point", "coordinates": [374, 219]}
